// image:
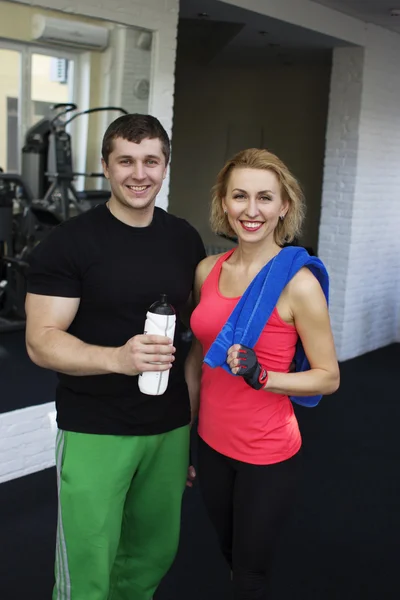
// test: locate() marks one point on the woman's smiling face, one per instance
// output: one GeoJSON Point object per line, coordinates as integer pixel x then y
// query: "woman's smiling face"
{"type": "Point", "coordinates": [254, 204]}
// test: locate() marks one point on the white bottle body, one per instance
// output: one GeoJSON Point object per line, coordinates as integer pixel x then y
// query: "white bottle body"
{"type": "Point", "coordinates": [154, 383]}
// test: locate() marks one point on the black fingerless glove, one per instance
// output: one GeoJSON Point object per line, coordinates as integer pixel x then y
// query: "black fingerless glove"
{"type": "Point", "coordinates": [250, 369]}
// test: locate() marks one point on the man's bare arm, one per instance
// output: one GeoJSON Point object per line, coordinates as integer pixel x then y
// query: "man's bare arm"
{"type": "Point", "coordinates": [50, 346]}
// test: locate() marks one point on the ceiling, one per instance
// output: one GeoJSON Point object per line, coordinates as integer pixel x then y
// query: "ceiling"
{"type": "Point", "coordinates": [371, 11]}
{"type": "Point", "coordinates": [215, 32]}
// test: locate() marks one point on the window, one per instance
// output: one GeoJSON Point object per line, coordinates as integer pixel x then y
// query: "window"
{"type": "Point", "coordinates": [32, 81]}
{"type": "Point", "coordinates": [51, 83]}
{"type": "Point", "coordinates": [10, 77]}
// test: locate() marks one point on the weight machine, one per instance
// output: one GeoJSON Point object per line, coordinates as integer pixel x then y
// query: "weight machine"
{"type": "Point", "coordinates": [36, 202]}
{"type": "Point", "coordinates": [47, 163]}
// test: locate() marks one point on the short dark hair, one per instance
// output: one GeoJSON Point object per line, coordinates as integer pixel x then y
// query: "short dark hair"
{"type": "Point", "coordinates": [135, 128]}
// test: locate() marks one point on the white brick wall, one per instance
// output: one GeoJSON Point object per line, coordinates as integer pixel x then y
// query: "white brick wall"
{"type": "Point", "coordinates": [123, 64]}
{"type": "Point", "coordinates": [137, 66]}
{"type": "Point", "coordinates": [27, 438]}
{"type": "Point", "coordinates": [372, 294]}
{"type": "Point", "coordinates": [340, 173]}
{"type": "Point", "coordinates": [360, 223]}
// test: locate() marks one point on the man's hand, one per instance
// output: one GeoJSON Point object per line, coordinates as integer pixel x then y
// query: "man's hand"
{"type": "Point", "coordinates": [191, 476]}
{"type": "Point", "coordinates": [144, 353]}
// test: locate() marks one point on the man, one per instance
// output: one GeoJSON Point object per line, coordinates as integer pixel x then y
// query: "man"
{"type": "Point", "coordinates": [122, 456]}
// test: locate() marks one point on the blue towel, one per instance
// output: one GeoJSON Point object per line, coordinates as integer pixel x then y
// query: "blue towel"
{"type": "Point", "coordinates": [253, 310]}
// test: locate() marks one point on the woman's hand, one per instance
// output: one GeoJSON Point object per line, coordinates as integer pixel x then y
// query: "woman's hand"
{"type": "Point", "coordinates": [233, 358]}
{"type": "Point", "coordinates": [243, 362]}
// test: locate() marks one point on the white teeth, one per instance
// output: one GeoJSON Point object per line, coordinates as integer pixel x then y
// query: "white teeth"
{"type": "Point", "coordinates": [137, 188]}
{"type": "Point", "coordinates": [251, 224]}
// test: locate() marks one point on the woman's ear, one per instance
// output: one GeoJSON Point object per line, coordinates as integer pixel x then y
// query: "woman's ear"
{"type": "Point", "coordinates": [285, 209]}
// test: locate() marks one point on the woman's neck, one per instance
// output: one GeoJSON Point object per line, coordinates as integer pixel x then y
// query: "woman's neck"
{"type": "Point", "coordinates": [250, 256]}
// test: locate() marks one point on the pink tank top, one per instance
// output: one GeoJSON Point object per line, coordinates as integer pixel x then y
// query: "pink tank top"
{"type": "Point", "coordinates": [252, 426]}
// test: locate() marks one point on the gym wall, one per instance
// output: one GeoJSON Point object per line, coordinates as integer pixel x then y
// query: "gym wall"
{"type": "Point", "coordinates": [27, 412]}
{"type": "Point", "coordinates": [282, 108]}
{"type": "Point", "coordinates": [125, 68]}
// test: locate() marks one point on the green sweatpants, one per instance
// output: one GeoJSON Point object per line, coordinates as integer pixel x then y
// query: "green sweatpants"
{"type": "Point", "coordinates": [119, 513]}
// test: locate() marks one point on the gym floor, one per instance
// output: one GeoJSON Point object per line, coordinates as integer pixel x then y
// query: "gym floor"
{"type": "Point", "coordinates": [342, 541]}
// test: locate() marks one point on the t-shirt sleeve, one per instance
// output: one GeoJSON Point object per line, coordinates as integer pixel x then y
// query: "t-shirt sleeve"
{"type": "Point", "coordinates": [54, 268]}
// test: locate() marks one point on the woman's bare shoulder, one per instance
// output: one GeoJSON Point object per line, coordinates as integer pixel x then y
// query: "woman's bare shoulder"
{"type": "Point", "coordinates": [304, 286]}
{"type": "Point", "coordinates": [205, 266]}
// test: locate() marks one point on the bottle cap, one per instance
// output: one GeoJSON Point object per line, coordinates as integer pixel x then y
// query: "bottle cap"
{"type": "Point", "coordinates": [162, 307]}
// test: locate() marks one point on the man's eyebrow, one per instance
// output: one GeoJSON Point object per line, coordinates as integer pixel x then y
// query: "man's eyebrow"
{"type": "Point", "coordinates": [154, 156]}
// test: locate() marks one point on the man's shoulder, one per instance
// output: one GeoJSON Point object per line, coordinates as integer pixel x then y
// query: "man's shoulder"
{"type": "Point", "coordinates": [68, 236]}
{"type": "Point", "coordinates": [86, 218]}
{"type": "Point", "coordinates": [173, 221]}
{"type": "Point", "coordinates": [183, 234]}
{"type": "Point", "coordinates": [80, 224]}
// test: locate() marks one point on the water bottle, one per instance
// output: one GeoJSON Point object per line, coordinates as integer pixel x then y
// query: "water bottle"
{"type": "Point", "coordinates": [160, 320]}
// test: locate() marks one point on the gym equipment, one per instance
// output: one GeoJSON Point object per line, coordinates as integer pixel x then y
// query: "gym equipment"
{"type": "Point", "coordinates": [12, 270]}
{"type": "Point", "coordinates": [6, 213]}
{"type": "Point", "coordinates": [23, 224]}
{"type": "Point", "coordinates": [47, 162]}
{"type": "Point", "coordinates": [28, 211]}
{"type": "Point", "coordinates": [36, 150]}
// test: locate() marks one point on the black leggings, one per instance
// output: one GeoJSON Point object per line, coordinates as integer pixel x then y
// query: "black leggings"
{"type": "Point", "coordinates": [248, 505]}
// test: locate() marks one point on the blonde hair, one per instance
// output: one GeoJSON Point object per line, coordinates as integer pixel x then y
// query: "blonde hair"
{"type": "Point", "coordinates": [253, 158]}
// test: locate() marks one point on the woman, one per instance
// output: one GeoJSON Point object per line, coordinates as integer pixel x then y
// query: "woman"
{"type": "Point", "coordinates": [249, 436]}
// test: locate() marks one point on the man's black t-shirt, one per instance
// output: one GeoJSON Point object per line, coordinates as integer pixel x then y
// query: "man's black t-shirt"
{"type": "Point", "coordinates": [118, 271]}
